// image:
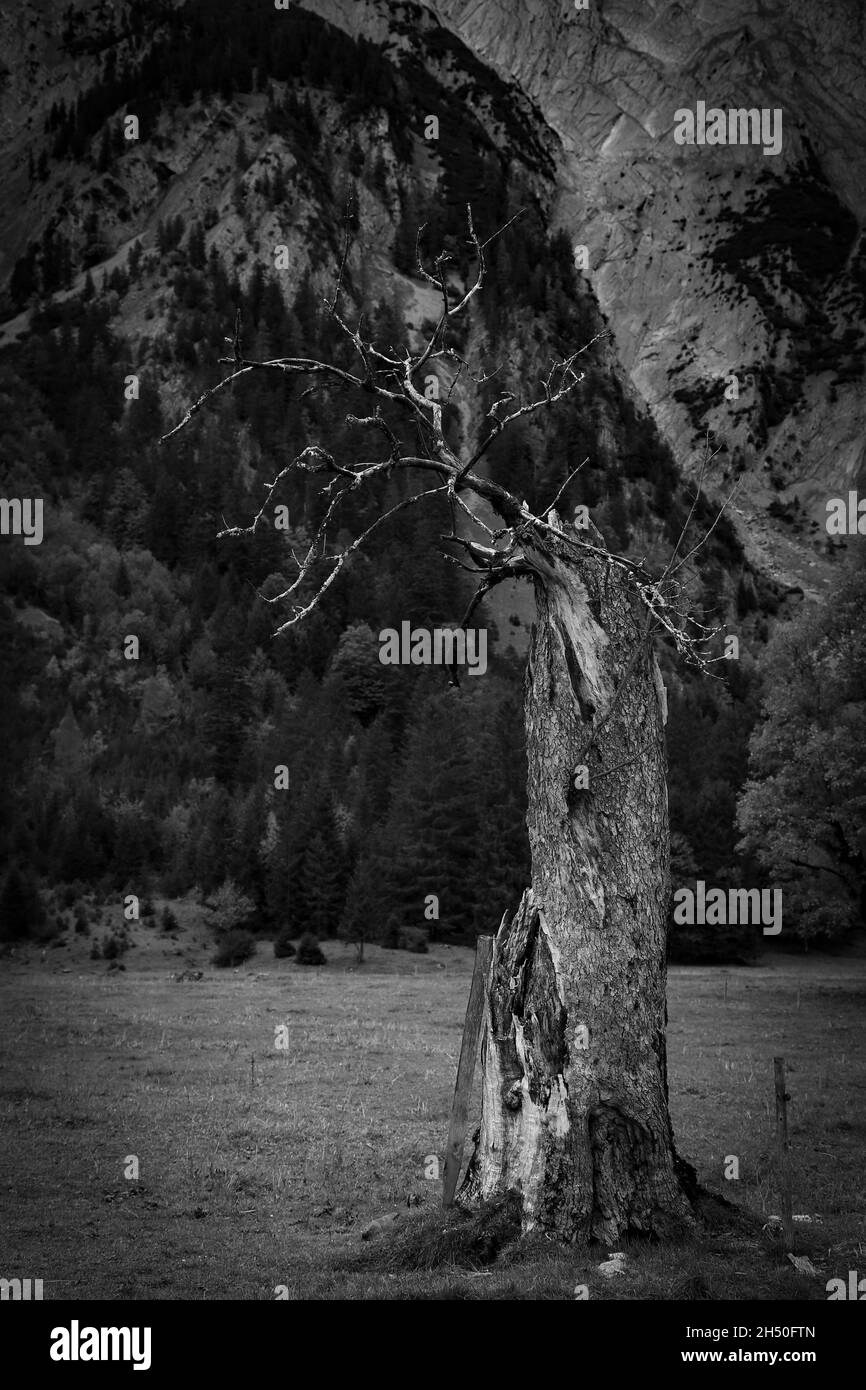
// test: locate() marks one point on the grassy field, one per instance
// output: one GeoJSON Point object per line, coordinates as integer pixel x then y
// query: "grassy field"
{"type": "Point", "coordinates": [259, 1167]}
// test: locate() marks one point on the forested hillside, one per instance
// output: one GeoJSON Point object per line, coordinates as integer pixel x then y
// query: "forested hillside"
{"type": "Point", "coordinates": [156, 769]}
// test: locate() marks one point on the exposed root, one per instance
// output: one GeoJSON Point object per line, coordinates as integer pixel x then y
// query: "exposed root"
{"type": "Point", "coordinates": [463, 1239]}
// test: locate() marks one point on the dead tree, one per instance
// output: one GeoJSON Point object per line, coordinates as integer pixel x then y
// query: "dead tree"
{"type": "Point", "coordinates": [575, 1104]}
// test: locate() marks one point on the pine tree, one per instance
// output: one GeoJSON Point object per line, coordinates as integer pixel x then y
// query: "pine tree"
{"type": "Point", "coordinates": [69, 747]}
{"type": "Point", "coordinates": [323, 881]}
{"type": "Point", "coordinates": [360, 920]}
{"type": "Point", "coordinates": [103, 159]}
{"type": "Point", "coordinates": [430, 830]}
{"type": "Point", "coordinates": [355, 666]}
{"type": "Point", "coordinates": [126, 516]}
{"type": "Point", "coordinates": [195, 246]}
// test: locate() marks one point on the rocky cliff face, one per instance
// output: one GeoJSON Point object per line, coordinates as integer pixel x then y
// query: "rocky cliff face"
{"type": "Point", "coordinates": [710, 260]}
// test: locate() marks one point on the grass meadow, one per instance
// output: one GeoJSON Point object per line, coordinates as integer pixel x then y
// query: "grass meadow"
{"type": "Point", "coordinates": [259, 1166]}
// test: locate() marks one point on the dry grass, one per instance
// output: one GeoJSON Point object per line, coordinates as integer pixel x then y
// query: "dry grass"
{"type": "Point", "coordinates": [259, 1167]}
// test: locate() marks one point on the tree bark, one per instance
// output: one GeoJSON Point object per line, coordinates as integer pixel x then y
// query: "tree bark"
{"type": "Point", "coordinates": [574, 1076]}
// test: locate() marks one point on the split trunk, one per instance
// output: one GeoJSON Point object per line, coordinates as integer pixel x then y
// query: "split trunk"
{"type": "Point", "coordinates": [574, 1076]}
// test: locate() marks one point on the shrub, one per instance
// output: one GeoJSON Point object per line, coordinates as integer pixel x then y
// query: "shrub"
{"type": "Point", "coordinates": [114, 946]}
{"type": "Point", "coordinates": [168, 920]}
{"type": "Point", "coordinates": [413, 939]}
{"type": "Point", "coordinates": [309, 951]}
{"type": "Point", "coordinates": [230, 907]}
{"type": "Point", "coordinates": [399, 938]}
{"type": "Point", "coordinates": [235, 946]}
{"type": "Point", "coordinates": [283, 947]}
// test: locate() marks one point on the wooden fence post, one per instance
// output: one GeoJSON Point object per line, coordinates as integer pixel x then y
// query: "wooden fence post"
{"type": "Point", "coordinates": [783, 1150]}
{"type": "Point", "coordinates": [466, 1068]}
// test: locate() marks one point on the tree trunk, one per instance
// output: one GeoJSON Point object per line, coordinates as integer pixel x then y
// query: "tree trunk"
{"type": "Point", "coordinates": [575, 1108]}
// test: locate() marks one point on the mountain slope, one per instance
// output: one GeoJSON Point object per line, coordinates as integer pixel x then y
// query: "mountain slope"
{"type": "Point", "coordinates": [711, 260]}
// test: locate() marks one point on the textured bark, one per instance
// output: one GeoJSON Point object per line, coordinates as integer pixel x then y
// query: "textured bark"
{"type": "Point", "coordinates": [574, 1111]}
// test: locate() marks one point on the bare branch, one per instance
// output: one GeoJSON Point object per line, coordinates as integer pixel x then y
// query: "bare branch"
{"type": "Point", "coordinates": [341, 559]}
{"type": "Point", "coordinates": [332, 305]}
{"type": "Point", "coordinates": [510, 569]}
{"type": "Point", "coordinates": [549, 398]}
{"type": "Point", "coordinates": [379, 422]}
{"type": "Point", "coordinates": [301, 365]}
{"type": "Point", "coordinates": [705, 537]}
{"type": "Point", "coordinates": [707, 459]}
{"type": "Point", "coordinates": [525, 537]}
{"type": "Point", "coordinates": [571, 475]}
{"type": "Point", "coordinates": [480, 247]}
